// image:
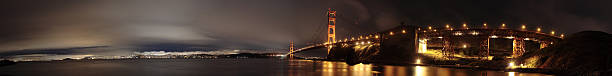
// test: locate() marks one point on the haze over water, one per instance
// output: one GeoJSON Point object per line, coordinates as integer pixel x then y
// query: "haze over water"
{"type": "Point", "coordinates": [232, 67]}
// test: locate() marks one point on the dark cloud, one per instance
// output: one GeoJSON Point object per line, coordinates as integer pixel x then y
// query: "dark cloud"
{"type": "Point", "coordinates": [60, 51]}
{"type": "Point", "coordinates": [263, 23]}
{"type": "Point", "coordinates": [567, 16]}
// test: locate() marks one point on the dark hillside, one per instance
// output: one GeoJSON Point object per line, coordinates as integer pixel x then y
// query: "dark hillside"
{"type": "Point", "coordinates": [587, 52]}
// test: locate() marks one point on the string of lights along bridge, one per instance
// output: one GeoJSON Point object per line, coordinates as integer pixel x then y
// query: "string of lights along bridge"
{"type": "Point", "coordinates": [463, 30]}
{"type": "Point", "coordinates": [449, 39]}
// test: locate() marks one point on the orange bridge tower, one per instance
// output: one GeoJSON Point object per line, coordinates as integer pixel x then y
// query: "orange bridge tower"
{"type": "Point", "coordinates": [291, 47]}
{"type": "Point", "coordinates": [331, 26]}
{"type": "Point", "coordinates": [291, 50]}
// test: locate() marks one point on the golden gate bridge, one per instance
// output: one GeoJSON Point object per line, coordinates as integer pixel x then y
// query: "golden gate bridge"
{"type": "Point", "coordinates": [486, 41]}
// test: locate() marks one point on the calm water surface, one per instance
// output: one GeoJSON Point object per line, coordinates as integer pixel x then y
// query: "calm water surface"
{"type": "Point", "coordinates": [231, 67]}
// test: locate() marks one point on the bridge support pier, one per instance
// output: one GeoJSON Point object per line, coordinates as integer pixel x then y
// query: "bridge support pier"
{"type": "Point", "coordinates": [518, 49]}
{"type": "Point", "coordinates": [399, 47]}
{"type": "Point", "coordinates": [484, 48]}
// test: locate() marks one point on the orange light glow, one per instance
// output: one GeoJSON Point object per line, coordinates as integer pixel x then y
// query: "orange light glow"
{"type": "Point", "coordinates": [511, 65]}
{"type": "Point", "coordinates": [562, 35]}
{"type": "Point", "coordinates": [474, 33]}
{"type": "Point", "coordinates": [447, 26]}
{"type": "Point", "coordinates": [484, 25]}
{"type": "Point", "coordinates": [422, 46]}
{"type": "Point", "coordinates": [552, 32]}
{"type": "Point", "coordinates": [457, 33]}
{"type": "Point", "coordinates": [494, 36]}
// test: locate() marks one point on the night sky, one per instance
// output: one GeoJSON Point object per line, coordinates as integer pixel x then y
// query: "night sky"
{"type": "Point", "coordinates": [111, 26]}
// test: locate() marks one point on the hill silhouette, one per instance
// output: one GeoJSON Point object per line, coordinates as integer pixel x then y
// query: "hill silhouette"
{"type": "Point", "coordinates": [586, 52]}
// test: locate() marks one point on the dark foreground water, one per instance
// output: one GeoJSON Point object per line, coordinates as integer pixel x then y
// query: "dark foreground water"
{"type": "Point", "coordinates": [231, 67]}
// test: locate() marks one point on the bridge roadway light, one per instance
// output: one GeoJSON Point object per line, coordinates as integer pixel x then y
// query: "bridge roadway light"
{"type": "Point", "coordinates": [562, 35]}
{"type": "Point", "coordinates": [552, 32]}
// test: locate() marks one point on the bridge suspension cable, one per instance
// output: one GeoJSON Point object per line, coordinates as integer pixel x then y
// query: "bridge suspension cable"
{"type": "Point", "coordinates": [315, 37]}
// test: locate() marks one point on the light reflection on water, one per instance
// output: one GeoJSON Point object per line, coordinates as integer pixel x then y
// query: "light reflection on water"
{"type": "Point", "coordinates": [330, 68]}
{"type": "Point", "coordinates": [231, 67]}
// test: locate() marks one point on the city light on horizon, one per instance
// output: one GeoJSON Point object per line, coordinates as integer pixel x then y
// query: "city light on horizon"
{"type": "Point", "coordinates": [523, 27]}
